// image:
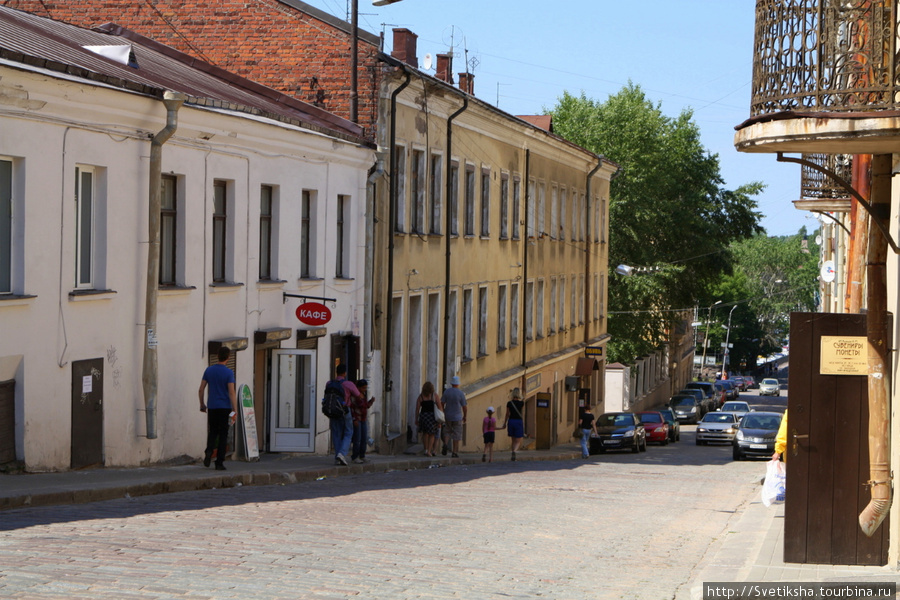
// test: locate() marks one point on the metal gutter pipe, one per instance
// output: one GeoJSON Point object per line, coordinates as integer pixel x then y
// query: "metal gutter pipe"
{"type": "Point", "coordinates": [375, 174]}
{"type": "Point", "coordinates": [525, 263]}
{"type": "Point", "coordinates": [587, 249]}
{"type": "Point", "coordinates": [150, 372]}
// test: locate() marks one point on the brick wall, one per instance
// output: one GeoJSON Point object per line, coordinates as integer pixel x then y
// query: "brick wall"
{"type": "Point", "coordinates": [262, 40]}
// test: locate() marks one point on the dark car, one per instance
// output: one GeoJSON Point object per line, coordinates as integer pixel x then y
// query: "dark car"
{"type": "Point", "coordinates": [731, 391]}
{"type": "Point", "coordinates": [756, 435]}
{"type": "Point", "coordinates": [686, 407]}
{"type": "Point", "coordinates": [620, 431]}
{"type": "Point", "coordinates": [655, 427]}
{"type": "Point", "coordinates": [701, 399]}
{"type": "Point", "coordinates": [741, 382]}
{"type": "Point", "coordinates": [712, 396]}
{"type": "Point", "coordinates": [722, 393]}
{"type": "Point", "coordinates": [674, 425]}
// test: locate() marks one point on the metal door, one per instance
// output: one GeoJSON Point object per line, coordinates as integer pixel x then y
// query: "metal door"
{"type": "Point", "coordinates": [87, 413]}
{"type": "Point", "coordinates": [7, 421]}
{"type": "Point", "coordinates": [827, 452]}
{"type": "Point", "coordinates": [544, 430]}
{"type": "Point", "coordinates": [292, 406]}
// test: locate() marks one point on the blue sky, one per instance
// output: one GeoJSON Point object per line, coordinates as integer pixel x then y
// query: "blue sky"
{"type": "Point", "coordinates": [695, 54]}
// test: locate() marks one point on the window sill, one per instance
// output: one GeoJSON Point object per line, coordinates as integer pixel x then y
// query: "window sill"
{"type": "Point", "coordinates": [87, 295]}
{"type": "Point", "coordinates": [16, 299]}
{"type": "Point", "coordinates": [225, 286]}
{"type": "Point", "coordinates": [270, 284]}
{"type": "Point", "coordinates": [466, 359]}
{"type": "Point", "coordinates": [175, 290]}
{"type": "Point", "coordinates": [482, 355]}
{"type": "Point", "coordinates": [310, 279]}
{"type": "Point", "coordinates": [337, 278]}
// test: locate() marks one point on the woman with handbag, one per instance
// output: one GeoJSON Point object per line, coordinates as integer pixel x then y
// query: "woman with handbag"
{"type": "Point", "coordinates": [515, 421]}
{"type": "Point", "coordinates": [426, 405]}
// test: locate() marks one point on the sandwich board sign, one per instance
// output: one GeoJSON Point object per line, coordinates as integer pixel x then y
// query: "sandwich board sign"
{"type": "Point", "coordinates": [248, 421]}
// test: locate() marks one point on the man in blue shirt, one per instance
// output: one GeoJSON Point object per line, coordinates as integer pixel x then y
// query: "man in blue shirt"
{"type": "Point", "coordinates": [220, 408]}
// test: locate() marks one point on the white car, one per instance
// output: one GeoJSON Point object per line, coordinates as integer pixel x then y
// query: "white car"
{"type": "Point", "coordinates": [717, 427]}
{"type": "Point", "coordinates": [769, 387]}
{"type": "Point", "coordinates": [737, 407]}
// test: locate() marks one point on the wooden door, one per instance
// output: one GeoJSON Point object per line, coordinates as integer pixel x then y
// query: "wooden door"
{"type": "Point", "coordinates": [544, 429]}
{"type": "Point", "coordinates": [827, 452]}
{"type": "Point", "coordinates": [87, 413]}
{"type": "Point", "coordinates": [7, 421]}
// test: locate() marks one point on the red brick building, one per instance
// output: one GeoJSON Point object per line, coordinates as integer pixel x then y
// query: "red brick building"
{"type": "Point", "coordinates": [283, 44]}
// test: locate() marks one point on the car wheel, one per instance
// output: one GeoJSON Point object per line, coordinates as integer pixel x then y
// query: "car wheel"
{"type": "Point", "coordinates": [736, 454]}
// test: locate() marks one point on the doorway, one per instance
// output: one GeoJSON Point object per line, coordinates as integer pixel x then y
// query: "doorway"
{"type": "Point", "coordinates": [87, 413]}
{"type": "Point", "coordinates": [292, 405]}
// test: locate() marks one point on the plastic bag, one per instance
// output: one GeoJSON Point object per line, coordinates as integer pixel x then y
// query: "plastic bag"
{"type": "Point", "coordinates": [774, 486]}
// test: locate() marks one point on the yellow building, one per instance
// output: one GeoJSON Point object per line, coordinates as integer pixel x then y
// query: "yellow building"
{"type": "Point", "coordinates": [489, 258]}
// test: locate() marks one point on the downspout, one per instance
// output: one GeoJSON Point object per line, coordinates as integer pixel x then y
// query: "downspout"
{"type": "Point", "coordinates": [525, 265]}
{"type": "Point", "coordinates": [375, 173]}
{"type": "Point", "coordinates": [587, 250]}
{"type": "Point", "coordinates": [389, 307]}
{"type": "Point", "coordinates": [879, 483]}
{"type": "Point", "coordinates": [447, 236]}
{"type": "Point", "coordinates": [150, 372]}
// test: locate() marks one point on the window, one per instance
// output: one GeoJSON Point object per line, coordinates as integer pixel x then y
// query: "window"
{"type": "Point", "coordinates": [573, 313]}
{"type": "Point", "coordinates": [342, 259]}
{"type": "Point", "coordinates": [516, 204]}
{"type": "Point", "coordinates": [553, 301]}
{"type": "Point", "coordinates": [562, 213]}
{"type": "Point", "coordinates": [307, 235]}
{"type": "Point", "coordinates": [542, 209]}
{"type": "Point", "coordinates": [501, 317]}
{"type": "Point", "coordinates": [573, 233]}
{"type": "Point", "coordinates": [539, 309]}
{"type": "Point", "coordinates": [434, 200]}
{"type": "Point", "coordinates": [220, 229]}
{"type": "Point", "coordinates": [467, 324]}
{"type": "Point", "coordinates": [400, 200]}
{"type": "Point", "coordinates": [582, 205]}
{"type": "Point", "coordinates": [554, 211]}
{"type": "Point", "coordinates": [562, 303]}
{"type": "Point", "coordinates": [529, 311]}
{"type": "Point", "coordinates": [6, 226]}
{"type": "Point", "coordinates": [504, 206]}
{"type": "Point", "coordinates": [470, 200]}
{"type": "Point", "coordinates": [530, 230]}
{"type": "Point", "coordinates": [417, 192]}
{"type": "Point", "coordinates": [265, 232]}
{"type": "Point", "coordinates": [485, 202]}
{"type": "Point", "coordinates": [482, 320]}
{"type": "Point", "coordinates": [452, 352]}
{"type": "Point", "coordinates": [581, 297]}
{"type": "Point", "coordinates": [90, 239]}
{"type": "Point", "coordinates": [596, 296]}
{"type": "Point", "coordinates": [454, 198]}
{"type": "Point", "coordinates": [603, 214]}
{"type": "Point", "coordinates": [168, 230]}
{"type": "Point", "coordinates": [514, 315]}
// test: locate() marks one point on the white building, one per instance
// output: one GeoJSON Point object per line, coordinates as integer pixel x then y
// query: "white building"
{"type": "Point", "coordinates": [262, 196]}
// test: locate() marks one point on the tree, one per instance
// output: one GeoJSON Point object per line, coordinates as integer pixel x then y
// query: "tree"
{"type": "Point", "coordinates": [668, 210]}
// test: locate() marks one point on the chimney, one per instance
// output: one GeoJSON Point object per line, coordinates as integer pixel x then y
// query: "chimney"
{"type": "Point", "coordinates": [444, 66]}
{"type": "Point", "coordinates": [467, 83]}
{"type": "Point", "coordinates": [405, 46]}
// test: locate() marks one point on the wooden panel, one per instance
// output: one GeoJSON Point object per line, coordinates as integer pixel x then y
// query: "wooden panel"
{"type": "Point", "coordinates": [799, 393]}
{"type": "Point", "coordinates": [87, 413]}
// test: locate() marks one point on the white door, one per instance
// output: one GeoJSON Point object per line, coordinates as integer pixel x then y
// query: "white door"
{"type": "Point", "coordinates": [292, 419]}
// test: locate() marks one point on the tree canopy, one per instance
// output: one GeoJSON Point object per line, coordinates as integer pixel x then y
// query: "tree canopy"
{"type": "Point", "coordinates": [668, 211]}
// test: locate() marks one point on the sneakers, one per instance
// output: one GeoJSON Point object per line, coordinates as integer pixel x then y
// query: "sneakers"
{"type": "Point", "coordinates": [207, 457]}
{"type": "Point", "coordinates": [342, 460]}
{"type": "Point", "coordinates": [444, 450]}
{"type": "Point", "coordinates": [359, 461]}
{"type": "Point", "coordinates": [220, 467]}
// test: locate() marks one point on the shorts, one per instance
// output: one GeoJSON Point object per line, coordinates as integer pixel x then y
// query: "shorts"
{"type": "Point", "coordinates": [453, 430]}
{"type": "Point", "coordinates": [515, 428]}
{"type": "Point", "coordinates": [488, 437]}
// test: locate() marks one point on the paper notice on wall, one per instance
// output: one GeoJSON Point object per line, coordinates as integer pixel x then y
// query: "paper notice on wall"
{"type": "Point", "coordinates": [87, 384]}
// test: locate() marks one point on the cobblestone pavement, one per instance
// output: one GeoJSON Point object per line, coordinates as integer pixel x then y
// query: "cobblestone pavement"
{"type": "Point", "coordinates": [629, 526]}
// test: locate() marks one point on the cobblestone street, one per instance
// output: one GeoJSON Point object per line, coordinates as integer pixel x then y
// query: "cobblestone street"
{"type": "Point", "coordinates": [615, 526]}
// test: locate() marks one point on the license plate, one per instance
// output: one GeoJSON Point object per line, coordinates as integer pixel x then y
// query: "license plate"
{"type": "Point", "coordinates": [758, 446]}
{"type": "Point", "coordinates": [610, 442]}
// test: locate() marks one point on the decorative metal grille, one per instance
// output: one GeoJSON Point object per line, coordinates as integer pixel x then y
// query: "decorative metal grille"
{"type": "Point", "coordinates": [814, 184]}
{"type": "Point", "coordinates": [825, 55]}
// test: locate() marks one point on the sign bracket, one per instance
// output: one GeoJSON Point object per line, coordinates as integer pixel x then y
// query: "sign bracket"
{"type": "Point", "coordinates": [285, 296]}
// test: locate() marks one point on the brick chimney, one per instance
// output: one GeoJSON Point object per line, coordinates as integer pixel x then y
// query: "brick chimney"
{"type": "Point", "coordinates": [467, 83]}
{"type": "Point", "coordinates": [405, 46]}
{"type": "Point", "coordinates": [444, 67]}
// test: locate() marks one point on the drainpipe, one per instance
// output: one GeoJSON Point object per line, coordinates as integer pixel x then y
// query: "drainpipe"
{"type": "Point", "coordinates": [879, 483]}
{"type": "Point", "coordinates": [375, 173]}
{"type": "Point", "coordinates": [447, 236]}
{"type": "Point", "coordinates": [389, 308]}
{"type": "Point", "coordinates": [587, 250]}
{"type": "Point", "coordinates": [150, 373]}
{"type": "Point", "coordinates": [525, 265]}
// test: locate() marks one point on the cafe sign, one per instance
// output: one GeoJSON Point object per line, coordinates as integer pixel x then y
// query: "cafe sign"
{"type": "Point", "coordinates": [843, 355]}
{"type": "Point", "coordinates": [313, 313]}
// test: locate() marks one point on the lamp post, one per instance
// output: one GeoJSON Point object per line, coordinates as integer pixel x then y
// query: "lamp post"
{"type": "Point", "coordinates": [727, 336]}
{"type": "Point", "coordinates": [706, 338]}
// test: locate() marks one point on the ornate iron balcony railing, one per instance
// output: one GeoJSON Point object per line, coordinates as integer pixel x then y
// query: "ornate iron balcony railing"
{"type": "Point", "coordinates": [817, 185]}
{"type": "Point", "coordinates": [825, 56]}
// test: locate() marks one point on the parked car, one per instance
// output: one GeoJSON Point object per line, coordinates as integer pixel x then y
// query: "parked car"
{"type": "Point", "coordinates": [738, 407]}
{"type": "Point", "coordinates": [731, 391]}
{"type": "Point", "coordinates": [620, 431]}
{"type": "Point", "coordinates": [722, 394]}
{"type": "Point", "coordinates": [743, 382]}
{"type": "Point", "coordinates": [701, 399]}
{"type": "Point", "coordinates": [717, 427]}
{"type": "Point", "coordinates": [655, 427]}
{"type": "Point", "coordinates": [686, 407]}
{"type": "Point", "coordinates": [710, 397]}
{"type": "Point", "coordinates": [674, 425]}
{"type": "Point", "coordinates": [769, 387]}
{"type": "Point", "coordinates": [756, 435]}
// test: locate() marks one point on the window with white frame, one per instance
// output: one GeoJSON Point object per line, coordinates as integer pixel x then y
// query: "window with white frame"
{"type": "Point", "coordinates": [467, 325]}
{"type": "Point", "coordinates": [504, 206]}
{"type": "Point", "coordinates": [604, 212]}
{"type": "Point", "coordinates": [342, 258]}
{"type": "Point", "coordinates": [530, 229]}
{"type": "Point", "coordinates": [501, 316]}
{"type": "Point", "coordinates": [553, 308]}
{"type": "Point", "coordinates": [573, 311]}
{"type": "Point", "coordinates": [434, 199]}
{"type": "Point", "coordinates": [601, 296]}
{"type": "Point", "coordinates": [452, 347]}
{"type": "Point", "coordinates": [417, 192]}
{"type": "Point", "coordinates": [539, 309]}
{"type": "Point", "coordinates": [400, 200]}
{"type": "Point", "coordinates": [514, 315]}
{"type": "Point", "coordinates": [596, 310]}
{"type": "Point", "coordinates": [485, 202]}
{"type": "Point", "coordinates": [573, 233]}
{"type": "Point", "coordinates": [454, 198]}
{"type": "Point", "coordinates": [588, 218]}
{"type": "Point", "coordinates": [470, 200]}
{"type": "Point", "coordinates": [581, 297]}
{"type": "Point", "coordinates": [542, 208]}
{"type": "Point", "coordinates": [554, 211]}
{"type": "Point", "coordinates": [482, 320]}
{"type": "Point", "coordinates": [168, 230]}
{"type": "Point", "coordinates": [562, 213]}
{"type": "Point", "coordinates": [87, 238]}
{"type": "Point", "coordinates": [562, 303]}
{"type": "Point", "coordinates": [582, 222]}
{"type": "Point", "coordinates": [529, 311]}
{"type": "Point", "coordinates": [307, 234]}
{"type": "Point", "coordinates": [516, 206]}
{"type": "Point", "coordinates": [6, 226]}
{"type": "Point", "coordinates": [266, 209]}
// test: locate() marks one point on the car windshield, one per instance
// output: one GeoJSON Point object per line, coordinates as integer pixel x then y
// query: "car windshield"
{"type": "Point", "coordinates": [718, 418]}
{"type": "Point", "coordinates": [651, 418]}
{"type": "Point", "coordinates": [667, 414]}
{"type": "Point", "coordinates": [735, 406]}
{"type": "Point", "coordinates": [770, 382]}
{"type": "Point", "coordinates": [615, 420]}
{"type": "Point", "coordinates": [684, 401]}
{"type": "Point", "coordinates": [770, 422]}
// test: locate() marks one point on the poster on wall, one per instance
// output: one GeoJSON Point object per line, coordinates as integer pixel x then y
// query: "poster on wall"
{"type": "Point", "coordinates": [248, 421]}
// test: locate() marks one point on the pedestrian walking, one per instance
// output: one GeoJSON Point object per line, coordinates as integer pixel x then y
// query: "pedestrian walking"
{"type": "Point", "coordinates": [588, 426]}
{"type": "Point", "coordinates": [359, 411]}
{"type": "Point", "coordinates": [455, 411]}
{"type": "Point", "coordinates": [488, 429]}
{"type": "Point", "coordinates": [220, 407]}
{"type": "Point", "coordinates": [425, 421]}
{"type": "Point", "coordinates": [515, 420]}
{"type": "Point", "coordinates": [342, 427]}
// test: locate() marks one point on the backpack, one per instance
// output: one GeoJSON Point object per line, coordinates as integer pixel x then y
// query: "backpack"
{"type": "Point", "coordinates": [333, 402]}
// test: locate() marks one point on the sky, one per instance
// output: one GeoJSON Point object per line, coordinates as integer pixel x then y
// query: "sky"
{"type": "Point", "coordinates": [685, 54]}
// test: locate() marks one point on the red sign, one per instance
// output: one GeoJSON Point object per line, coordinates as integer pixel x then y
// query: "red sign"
{"type": "Point", "coordinates": [313, 313]}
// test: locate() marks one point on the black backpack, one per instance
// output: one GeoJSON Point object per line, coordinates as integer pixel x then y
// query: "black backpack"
{"type": "Point", "coordinates": [333, 402]}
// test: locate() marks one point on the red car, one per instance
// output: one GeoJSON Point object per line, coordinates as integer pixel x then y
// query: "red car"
{"type": "Point", "coordinates": [656, 427]}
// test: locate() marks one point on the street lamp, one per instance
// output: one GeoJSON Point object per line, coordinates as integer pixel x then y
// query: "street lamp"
{"type": "Point", "coordinates": [727, 335]}
{"type": "Point", "coordinates": [384, 2]}
{"type": "Point", "coordinates": [706, 338]}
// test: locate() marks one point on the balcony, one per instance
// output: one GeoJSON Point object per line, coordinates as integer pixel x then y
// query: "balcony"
{"type": "Point", "coordinates": [820, 193]}
{"type": "Point", "coordinates": [825, 78]}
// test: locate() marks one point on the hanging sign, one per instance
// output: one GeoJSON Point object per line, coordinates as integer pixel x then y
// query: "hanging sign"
{"type": "Point", "coordinates": [248, 420]}
{"type": "Point", "coordinates": [313, 313]}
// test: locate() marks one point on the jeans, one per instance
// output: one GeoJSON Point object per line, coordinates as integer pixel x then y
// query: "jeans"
{"type": "Point", "coordinates": [360, 439]}
{"type": "Point", "coordinates": [217, 420]}
{"type": "Point", "coordinates": [342, 434]}
{"type": "Point", "coordinates": [585, 440]}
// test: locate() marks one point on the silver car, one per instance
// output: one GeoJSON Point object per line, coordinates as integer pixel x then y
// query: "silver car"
{"type": "Point", "coordinates": [717, 427]}
{"type": "Point", "coordinates": [738, 407]}
{"type": "Point", "coordinates": [769, 387]}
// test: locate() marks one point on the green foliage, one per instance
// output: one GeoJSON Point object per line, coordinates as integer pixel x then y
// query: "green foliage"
{"type": "Point", "coordinates": [667, 210]}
